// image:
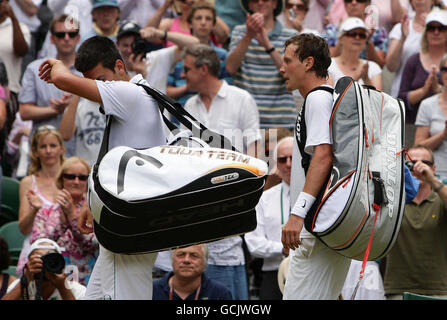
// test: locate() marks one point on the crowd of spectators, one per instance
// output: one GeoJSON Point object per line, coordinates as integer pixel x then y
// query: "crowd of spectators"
{"type": "Point", "coordinates": [220, 59]}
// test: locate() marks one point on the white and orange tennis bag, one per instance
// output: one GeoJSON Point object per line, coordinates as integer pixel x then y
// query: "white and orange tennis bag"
{"type": "Point", "coordinates": [186, 192]}
{"type": "Point", "coordinates": [359, 211]}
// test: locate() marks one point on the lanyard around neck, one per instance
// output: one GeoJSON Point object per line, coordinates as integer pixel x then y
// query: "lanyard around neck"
{"type": "Point", "coordinates": [282, 206]}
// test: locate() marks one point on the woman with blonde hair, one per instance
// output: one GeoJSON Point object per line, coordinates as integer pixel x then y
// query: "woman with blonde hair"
{"type": "Point", "coordinates": [59, 223]}
{"type": "Point", "coordinates": [420, 77]}
{"type": "Point", "coordinates": [38, 190]}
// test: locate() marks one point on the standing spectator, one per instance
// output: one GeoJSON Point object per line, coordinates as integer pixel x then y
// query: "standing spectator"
{"type": "Point", "coordinates": [377, 44]}
{"type": "Point", "coordinates": [255, 58]}
{"type": "Point", "coordinates": [272, 213]}
{"type": "Point", "coordinates": [140, 11]}
{"type": "Point", "coordinates": [410, 266]}
{"type": "Point", "coordinates": [188, 281]}
{"type": "Point", "coordinates": [405, 40]}
{"type": "Point", "coordinates": [41, 102]}
{"type": "Point", "coordinates": [15, 39]}
{"type": "Point", "coordinates": [38, 190]}
{"type": "Point", "coordinates": [232, 112]}
{"type": "Point", "coordinates": [105, 16]}
{"type": "Point", "coordinates": [296, 21]}
{"type": "Point", "coordinates": [352, 37]}
{"type": "Point", "coordinates": [420, 77]}
{"type": "Point", "coordinates": [431, 124]}
{"type": "Point", "coordinates": [59, 223]}
{"type": "Point", "coordinates": [17, 148]}
{"type": "Point", "coordinates": [202, 18]}
{"type": "Point", "coordinates": [181, 24]}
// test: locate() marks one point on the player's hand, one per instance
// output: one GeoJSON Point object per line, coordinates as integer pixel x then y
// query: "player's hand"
{"type": "Point", "coordinates": [291, 232]}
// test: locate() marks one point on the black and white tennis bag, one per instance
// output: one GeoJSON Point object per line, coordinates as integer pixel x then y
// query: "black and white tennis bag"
{"type": "Point", "coordinates": [186, 192]}
{"type": "Point", "coordinates": [359, 211]}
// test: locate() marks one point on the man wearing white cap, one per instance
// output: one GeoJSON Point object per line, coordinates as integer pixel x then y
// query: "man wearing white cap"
{"type": "Point", "coordinates": [54, 286]}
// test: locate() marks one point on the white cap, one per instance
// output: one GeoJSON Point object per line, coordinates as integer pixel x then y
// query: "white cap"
{"type": "Point", "coordinates": [45, 243]}
{"type": "Point", "coordinates": [437, 15]}
{"type": "Point", "coordinates": [351, 23]}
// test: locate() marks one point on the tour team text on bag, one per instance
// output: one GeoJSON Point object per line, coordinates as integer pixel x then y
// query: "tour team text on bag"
{"type": "Point", "coordinates": [189, 191]}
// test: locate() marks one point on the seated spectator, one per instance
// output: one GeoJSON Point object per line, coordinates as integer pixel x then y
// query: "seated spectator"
{"type": "Point", "coordinates": [352, 37]}
{"type": "Point", "coordinates": [377, 43]}
{"type": "Point", "coordinates": [59, 223]}
{"type": "Point", "coordinates": [431, 124]}
{"type": "Point", "coordinates": [34, 285]}
{"type": "Point", "coordinates": [405, 40]}
{"type": "Point", "coordinates": [105, 16]}
{"type": "Point", "coordinates": [202, 18]}
{"type": "Point", "coordinates": [5, 278]}
{"type": "Point", "coordinates": [188, 280]}
{"type": "Point", "coordinates": [38, 190]}
{"type": "Point", "coordinates": [299, 8]}
{"type": "Point", "coordinates": [420, 77]}
{"type": "Point", "coordinates": [255, 57]}
{"type": "Point", "coordinates": [180, 23]}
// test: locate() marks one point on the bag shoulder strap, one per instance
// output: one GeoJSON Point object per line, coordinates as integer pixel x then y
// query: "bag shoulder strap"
{"type": "Point", "coordinates": [301, 130]}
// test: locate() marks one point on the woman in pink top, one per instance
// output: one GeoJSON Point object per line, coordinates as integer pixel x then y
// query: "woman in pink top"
{"type": "Point", "coordinates": [180, 24]}
{"type": "Point", "coordinates": [38, 190]}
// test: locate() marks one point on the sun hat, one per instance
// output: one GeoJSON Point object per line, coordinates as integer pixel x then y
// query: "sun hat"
{"type": "Point", "coordinates": [128, 27]}
{"type": "Point", "coordinates": [437, 15]}
{"type": "Point", "coordinates": [45, 243]}
{"type": "Point", "coordinates": [105, 3]}
{"type": "Point", "coordinates": [351, 23]}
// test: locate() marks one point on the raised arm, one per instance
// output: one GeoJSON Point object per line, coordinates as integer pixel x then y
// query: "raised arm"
{"type": "Point", "coordinates": [54, 71]}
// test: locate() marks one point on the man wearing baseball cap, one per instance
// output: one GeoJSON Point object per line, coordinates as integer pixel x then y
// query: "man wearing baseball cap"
{"type": "Point", "coordinates": [105, 16]}
{"type": "Point", "coordinates": [53, 287]}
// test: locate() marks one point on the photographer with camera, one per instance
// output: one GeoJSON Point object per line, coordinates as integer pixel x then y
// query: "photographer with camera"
{"type": "Point", "coordinates": [134, 44]}
{"type": "Point", "coordinates": [44, 277]}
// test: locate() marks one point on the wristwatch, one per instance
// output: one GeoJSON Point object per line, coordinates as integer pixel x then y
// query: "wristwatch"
{"type": "Point", "coordinates": [438, 187]}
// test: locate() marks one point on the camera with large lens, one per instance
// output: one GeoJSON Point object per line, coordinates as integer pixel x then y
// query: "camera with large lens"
{"type": "Point", "coordinates": [53, 262]}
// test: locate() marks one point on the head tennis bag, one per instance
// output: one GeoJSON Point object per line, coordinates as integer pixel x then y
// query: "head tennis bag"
{"type": "Point", "coordinates": [359, 211]}
{"type": "Point", "coordinates": [183, 193]}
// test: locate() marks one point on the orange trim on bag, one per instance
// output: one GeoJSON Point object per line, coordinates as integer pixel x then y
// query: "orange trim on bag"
{"type": "Point", "coordinates": [252, 169]}
{"type": "Point", "coordinates": [327, 196]}
{"type": "Point", "coordinates": [338, 103]}
{"type": "Point", "coordinates": [355, 232]}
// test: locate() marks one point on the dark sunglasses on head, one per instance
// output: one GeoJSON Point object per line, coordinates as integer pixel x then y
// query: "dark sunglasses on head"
{"type": "Point", "coordinates": [72, 176]}
{"type": "Point", "coordinates": [410, 163]}
{"type": "Point", "coordinates": [359, 1]}
{"type": "Point", "coordinates": [284, 159]}
{"type": "Point", "coordinates": [432, 28]}
{"type": "Point", "coordinates": [443, 69]}
{"type": "Point", "coordinates": [353, 34]}
{"type": "Point", "coordinates": [61, 35]}
{"type": "Point", "coordinates": [299, 7]}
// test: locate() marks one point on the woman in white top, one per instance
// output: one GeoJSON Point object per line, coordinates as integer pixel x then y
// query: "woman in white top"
{"type": "Point", "coordinates": [352, 37]}
{"type": "Point", "coordinates": [431, 124]}
{"type": "Point", "coordinates": [405, 40]}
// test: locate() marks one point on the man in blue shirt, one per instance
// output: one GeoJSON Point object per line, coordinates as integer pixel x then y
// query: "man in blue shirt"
{"type": "Point", "coordinates": [188, 281]}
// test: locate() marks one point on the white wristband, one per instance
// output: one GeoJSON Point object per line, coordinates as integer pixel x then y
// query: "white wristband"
{"type": "Point", "coordinates": [303, 204]}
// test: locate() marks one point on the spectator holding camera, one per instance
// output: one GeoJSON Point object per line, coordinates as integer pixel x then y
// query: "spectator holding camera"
{"type": "Point", "coordinates": [39, 282]}
{"type": "Point", "coordinates": [59, 223]}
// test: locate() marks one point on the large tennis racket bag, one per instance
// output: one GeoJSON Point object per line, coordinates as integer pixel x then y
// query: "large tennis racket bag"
{"type": "Point", "coordinates": [186, 192]}
{"type": "Point", "coordinates": [359, 211]}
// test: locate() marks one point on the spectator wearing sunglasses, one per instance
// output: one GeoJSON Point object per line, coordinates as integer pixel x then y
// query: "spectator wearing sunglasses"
{"type": "Point", "coordinates": [405, 40]}
{"type": "Point", "coordinates": [294, 14]}
{"type": "Point", "coordinates": [59, 223]}
{"type": "Point", "coordinates": [376, 43]}
{"type": "Point", "coordinates": [352, 37]}
{"type": "Point", "coordinates": [272, 213]}
{"type": "Point", "coordinates": [420, 77]}
{"type": "Point", "coordinates": [418, 260]}
{"type": "Point", "coordinates": [41, 102]}
{"type": "Point", "coordinates": [431, 124]}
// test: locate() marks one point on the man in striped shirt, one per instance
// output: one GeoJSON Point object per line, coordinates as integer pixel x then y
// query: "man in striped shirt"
{"type": "Point", "coordinates": [255, 57]}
